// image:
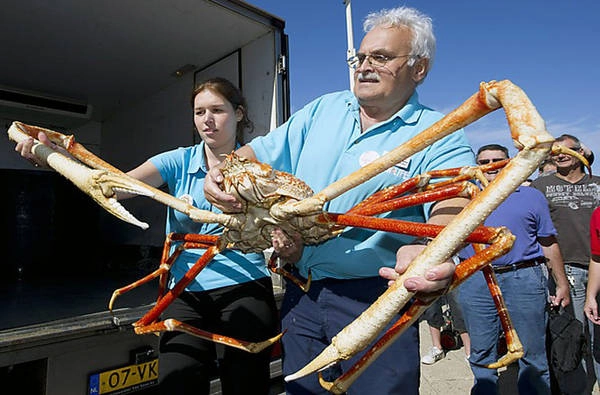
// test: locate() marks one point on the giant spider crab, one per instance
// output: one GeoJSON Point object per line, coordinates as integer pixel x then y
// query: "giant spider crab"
{"type": "Point", "coordinates": [275, 199]}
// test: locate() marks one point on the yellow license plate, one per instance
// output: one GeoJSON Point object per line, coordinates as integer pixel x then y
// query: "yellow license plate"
{"type": "Point", "coordinates": [125, 379]}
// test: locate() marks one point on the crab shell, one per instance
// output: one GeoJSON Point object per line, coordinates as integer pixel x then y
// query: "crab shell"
{"type": "Point", "coordinates": [261, 189]}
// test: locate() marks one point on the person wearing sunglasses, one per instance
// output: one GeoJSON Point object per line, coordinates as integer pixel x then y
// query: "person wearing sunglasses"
{"type": "Point", "coordinates": [331, 137]}
{"type": "Point", "coordinates": [573, 195]}
{"type": "Point", "coordinates": [522, 277]}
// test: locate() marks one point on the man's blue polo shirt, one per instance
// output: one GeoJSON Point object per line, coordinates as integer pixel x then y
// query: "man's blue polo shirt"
{"type": "Point", "coordinates": [526, 214]}
{"type": "Point", "coordinates": [323, 142]}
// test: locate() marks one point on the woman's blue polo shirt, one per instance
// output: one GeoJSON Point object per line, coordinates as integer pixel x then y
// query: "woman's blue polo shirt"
{"type": "Point", "coordinates": [184, 170]}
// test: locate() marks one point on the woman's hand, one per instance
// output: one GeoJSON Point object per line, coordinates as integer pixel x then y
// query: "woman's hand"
{"type": "Point", "coordinates": [24, 148]}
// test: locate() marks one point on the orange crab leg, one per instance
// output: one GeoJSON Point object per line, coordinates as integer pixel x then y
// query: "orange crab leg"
{"type": "Point", "coordinates": [419, 182]}
{"type": "Point", "coordinates": [190, 241]}
{"type": "Point", "coordinates": [457, 174]}
{"type": "Point", "coordinates": [464, 189]}
{"type": "Point", "coordinates": [162, 304]}
{"type": "Point", "coordinates": [148, 324]}
{"type": "Point", "coordinates": [272, 265]}
{"type": "Point", "coordinates": [502, 244]}
{"type": "Point", "coordinates": [513, 344]}
{"type": "Point", "coordinates": [479, 235]}
{"type": "Point", "coordinates": [176, 325]}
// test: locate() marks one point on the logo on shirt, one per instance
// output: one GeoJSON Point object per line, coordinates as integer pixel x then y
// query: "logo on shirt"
{"type": "Point", "coordinates": [399, 170]}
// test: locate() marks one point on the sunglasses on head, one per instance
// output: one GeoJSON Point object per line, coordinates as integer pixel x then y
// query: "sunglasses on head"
{"type": "Point", "coordinates": [486, 161]}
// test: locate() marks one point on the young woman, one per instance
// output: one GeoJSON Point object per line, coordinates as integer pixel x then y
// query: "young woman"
{"type": "Point", "coordinates": [233, 295]}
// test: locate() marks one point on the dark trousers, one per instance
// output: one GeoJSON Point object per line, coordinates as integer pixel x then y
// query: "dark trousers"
{"type": "Point", "coordinates": [246, 312]}
{"type": "Point", "coordinates": [435, 317]}
{"type": "Point", "coordinates": [312, 319]}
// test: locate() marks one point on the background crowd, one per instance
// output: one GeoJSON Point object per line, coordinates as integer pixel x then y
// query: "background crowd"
{"type": "Point", "coordinates": [550, 279]}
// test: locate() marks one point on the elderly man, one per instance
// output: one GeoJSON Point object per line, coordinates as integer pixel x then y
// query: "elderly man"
{"type": "Point", "coordinates": [330, 138]}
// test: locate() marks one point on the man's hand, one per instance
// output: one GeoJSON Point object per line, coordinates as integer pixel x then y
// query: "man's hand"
{"type": "Point", "coordinates": [562, 297]}
{"type": "Point", "coordinates": [214, 193]}
{"type": "Point", "coordinates": [436, 279]}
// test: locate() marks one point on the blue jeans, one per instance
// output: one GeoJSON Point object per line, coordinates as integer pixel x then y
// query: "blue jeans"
{"type": "Point", "coordinates": [578, 279]}
{"type": "Point", "coordinates": [525, 294]}
{"type": "Point", "coordinates": [311, 319]}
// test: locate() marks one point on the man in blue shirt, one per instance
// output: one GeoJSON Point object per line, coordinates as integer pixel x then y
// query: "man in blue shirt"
{"type": "Point", "coordinates": [522, 277]}
{"type": "Point", "coordinates": [330, 138]}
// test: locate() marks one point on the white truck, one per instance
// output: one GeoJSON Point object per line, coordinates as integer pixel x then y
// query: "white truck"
{"type": "Point", "coordinates": [118, 75]}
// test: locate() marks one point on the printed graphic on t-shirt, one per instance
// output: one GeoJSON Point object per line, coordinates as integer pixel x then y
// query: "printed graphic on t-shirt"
{"type": "Point", "coordinates": [575, 197]}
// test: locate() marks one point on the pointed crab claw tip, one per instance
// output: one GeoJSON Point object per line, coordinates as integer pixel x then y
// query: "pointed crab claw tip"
{"type": "Point", "coordinates": [328, 357]}
{"type": "Point", "coordinates": [116, 209]}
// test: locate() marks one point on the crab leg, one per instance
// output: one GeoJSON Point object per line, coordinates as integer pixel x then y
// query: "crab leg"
{"type": "Point", "coordinates": [513, 344]}
{"type": "Point", "coordinates": [272, 265]}
{"type": "Point", "coordinates": [176, 325]}
{"type": "Point", "coordinates": [528, 132]}
{"type": "Point", "coordinates": [103, 181]}
{"type": "Point", "coordinates": [422, 182]}
{"type": "Point", "coordinates": [502, 242]}
{"type": "Point", "coordinates": [458, 189]}
{"type": "Point", "coordinates": [524, 122]}
{"type": "Point", "coordinates": [162, 304]}
{"type": "Point", "coordinates": [148, 323]}
{"type": "Point", "coordinates": [189, 241]}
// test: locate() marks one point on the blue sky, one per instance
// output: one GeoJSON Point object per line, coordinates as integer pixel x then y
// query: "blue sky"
{"type": "Point", "coordinates": [547, 47]}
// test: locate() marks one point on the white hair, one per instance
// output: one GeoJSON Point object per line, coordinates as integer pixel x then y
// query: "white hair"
{"type": "Point", "coordinates": [423, 40]}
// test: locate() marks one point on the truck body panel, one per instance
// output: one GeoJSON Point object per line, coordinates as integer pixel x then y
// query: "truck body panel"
{"type": "Point", "coordinates": [118, 76]}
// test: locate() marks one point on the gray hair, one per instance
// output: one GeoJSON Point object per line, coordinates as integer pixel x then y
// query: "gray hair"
{"type": "Point", "coordinates": [423, 40]}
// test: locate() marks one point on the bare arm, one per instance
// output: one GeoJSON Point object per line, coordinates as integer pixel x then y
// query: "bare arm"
{"type": "Point", "coordinates": [146, 173]}
{"type": "Point", "coordinates": [593, 288]}
{"type": "Point", "coordinates": [557, 269]}
{"type": "Point", "coordinates": [436, 278]}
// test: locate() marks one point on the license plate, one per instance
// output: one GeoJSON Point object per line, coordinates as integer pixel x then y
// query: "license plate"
{"type": "Point", "coordinates": [125, 379]}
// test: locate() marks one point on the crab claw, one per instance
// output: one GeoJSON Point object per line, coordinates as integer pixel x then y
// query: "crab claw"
{"type": "Point", "coordinates": [100, 185]}
{"type": "Point", "coordinates": [561, 149]}
{"type": "Point", "coordinates": [329, 356]}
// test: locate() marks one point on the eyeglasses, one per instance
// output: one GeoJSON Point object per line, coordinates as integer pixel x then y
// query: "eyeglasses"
{"type": "Point", "coordinates": [486, 161]}
{"type": "Point", "coordinates": [374, 59]}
